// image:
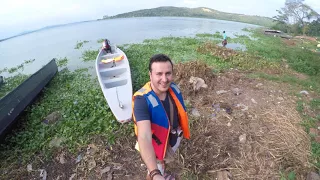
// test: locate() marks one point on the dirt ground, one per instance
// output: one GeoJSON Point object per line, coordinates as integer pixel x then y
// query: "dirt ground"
{"type": "Point", "coordinates": [246, 127]}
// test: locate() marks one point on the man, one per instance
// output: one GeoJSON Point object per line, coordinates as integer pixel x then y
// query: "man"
{"type": "Point", "coordinates": [106, 46]}
{"type": "Point", "coordinates": [224, 42]}
{"type": "Point", "coordinates": [160, 118]}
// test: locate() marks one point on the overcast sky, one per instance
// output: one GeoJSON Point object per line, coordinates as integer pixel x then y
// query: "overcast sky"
{"type": "Point", "coordinates": [21, 15]}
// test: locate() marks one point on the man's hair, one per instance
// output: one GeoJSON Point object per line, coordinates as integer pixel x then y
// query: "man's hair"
{"type": "Point", "coordinates": [224, 31]}
{"type": "Point", "coordinates": [159, 58]}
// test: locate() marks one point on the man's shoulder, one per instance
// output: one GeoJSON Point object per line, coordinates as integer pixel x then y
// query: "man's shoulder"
{"type": "Point", "coordinates": [139, 99]}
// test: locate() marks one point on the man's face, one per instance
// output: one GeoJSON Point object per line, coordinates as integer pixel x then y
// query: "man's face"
{"type": "Point", "coordinates": [161, 76]}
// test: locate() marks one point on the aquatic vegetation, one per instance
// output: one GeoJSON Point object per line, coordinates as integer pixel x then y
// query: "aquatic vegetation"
{"type": "Point", "coordinates": [80, 44]}
{"type": "Point", "coordinates": [29, 61]}
{"type": "Point", "coordinates": [17, 68]}
{"type": "Point", "coordinates": [89, 55]}
{"type": "Point", "coordinates": [62, 62]}
{"type": "Point", "coordinates": [100, 41]}
{"type": "Point", "coordinates": [11, 83]}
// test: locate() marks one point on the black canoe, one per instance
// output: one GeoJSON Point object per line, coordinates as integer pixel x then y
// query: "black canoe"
{"type": "Point", "coordinates": [14, 103]}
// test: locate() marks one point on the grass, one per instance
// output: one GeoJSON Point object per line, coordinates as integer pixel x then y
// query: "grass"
{"type": "Point", "coordinates": [302, 60]}
{"type": "Point", "coordinates": [77, 97]}
{"type": "Point", "coordinates": [274, 49]}
{"type": "Point", "coordinates": [307, 84]}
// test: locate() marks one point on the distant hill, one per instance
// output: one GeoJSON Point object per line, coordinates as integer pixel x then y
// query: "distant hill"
{"type": "Point", "coordinates": [201, 12]}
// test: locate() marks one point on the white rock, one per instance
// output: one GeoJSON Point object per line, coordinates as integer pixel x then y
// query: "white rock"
{"type": "Point", "coordinates": [105, 170]}
{"type": "Point", "coordinates": [280, 98]}
{"type": "Point", "coordinates": [254, 101]}
{"type": "Point", "coordinates": [195, 112]}
{"type": "Point", "coordinates": [259, 84]}
{"type": "Point", "coordinates": [236, 91]}
{"type": "Point", "coordinates": [62, 160]}
{"type": "Point", "coordinates": [43, 174]}
{"type": "Point", "coordinates": [304, 92]}
{"type": "Point", "coordinates": [243, 138]}
{"type": "Point", "coordinates": [197, 83]}
{"type": "Point", "coordinates": [221, 92]}
{"type": "Point", "coordinates": [29, 167]}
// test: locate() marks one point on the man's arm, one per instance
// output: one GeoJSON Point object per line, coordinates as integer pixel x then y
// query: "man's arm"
{"type": "Point", "coordinates": [142, 115]}
{"type": "Point", "coordinates": [145, 144]}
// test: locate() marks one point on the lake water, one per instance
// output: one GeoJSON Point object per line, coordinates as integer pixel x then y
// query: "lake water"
{"type": "Point", "coordinates": [60, 41]}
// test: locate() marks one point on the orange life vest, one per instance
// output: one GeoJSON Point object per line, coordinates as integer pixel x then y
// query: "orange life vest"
{"type": "Point", "coordinates": [160, 123]}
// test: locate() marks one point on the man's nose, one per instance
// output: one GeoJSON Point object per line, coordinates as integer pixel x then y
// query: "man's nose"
{"type": "Point", "coordinates": [164, 78]}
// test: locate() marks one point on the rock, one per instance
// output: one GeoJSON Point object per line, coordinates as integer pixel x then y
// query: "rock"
{"type": "Point", "coordinates": [254, 101]}
{"type": "Point", "coordinates": [221, 92]}
{"type": "Point", "coordinates": [195, 112]}
{"type": "Point", "coordinates": [259, 84]}
{"type": "Point", "coordinates": [62, 160]}
{"type": "Point", "coordinates": [52, 118]}
{"type": "Point", "coordinates": [304, 92]}
{"type": "Point", "coordinates": [313, 176]}
{"type": "Point", "coordinates": [79, 158]}
{"type": "Point", "coordinates": [229, 124]}
{"type": "Point", "coordinates": [29, 167]}
{"type": "Point", "coordinates": [56, 142]}
{"type": "Point", "coordinates": [92, 149]}
{"type": "Point", "coordinates": [313, 131]}
{"type": "Point", "coordinates": [243, 138]}
{"type": "Point", "coordinates": [280, 98]}
{"type": "Point", "coordinates": [236, 91]}
{"type": "Point", "coordinates": [187, 103]}
{"type": "Point", "coordinates": [105, 170]}
{"type": "Point", "coordinates": [43, 174]}
{"type": "Point", "coordinates": [197, 83]}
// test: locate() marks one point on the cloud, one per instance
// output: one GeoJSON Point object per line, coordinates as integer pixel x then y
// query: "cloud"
{"type": "Point", "coordinates": [190, 2]}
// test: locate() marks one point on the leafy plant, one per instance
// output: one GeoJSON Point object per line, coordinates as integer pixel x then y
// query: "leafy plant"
{"type": "Point", "coordinates": [89, 55]}
{"type": "Point", "coordinates": [80, 44]}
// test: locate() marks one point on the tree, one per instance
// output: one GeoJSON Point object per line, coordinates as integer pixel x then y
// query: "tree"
{"type": "Point", "coordinates": [282, 20]}
{"type": "Point", "coordinates": [296, 13]}
{"type": "Point", "coordinates": [314, 28]}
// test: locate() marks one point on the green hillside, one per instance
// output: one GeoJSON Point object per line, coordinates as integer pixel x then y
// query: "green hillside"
{"type": "Point", "coordinates": [200, 12]}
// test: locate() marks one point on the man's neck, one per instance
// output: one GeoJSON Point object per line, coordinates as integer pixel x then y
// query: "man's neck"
{"type": "Point", "coordinates": [161, 95]}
